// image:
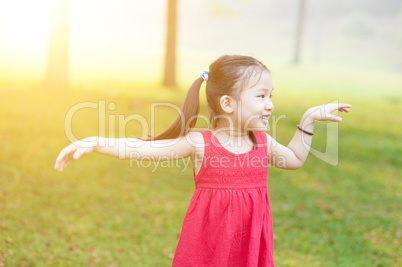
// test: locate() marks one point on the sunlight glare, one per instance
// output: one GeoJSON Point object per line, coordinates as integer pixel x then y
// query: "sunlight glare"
{"type": "Point", "coordinates": [24, 28]}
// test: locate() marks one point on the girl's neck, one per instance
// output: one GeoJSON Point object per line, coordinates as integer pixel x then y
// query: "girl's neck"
{"type": "Point", "coordinates": [233, 139]}
{"type": "Point", "coordinates": [230, 131]}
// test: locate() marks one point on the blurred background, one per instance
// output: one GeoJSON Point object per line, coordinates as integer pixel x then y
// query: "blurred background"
{"type": "Point", "coordinates": [100, 211]}
{"type": "Point", "coordinates": [126, 40]}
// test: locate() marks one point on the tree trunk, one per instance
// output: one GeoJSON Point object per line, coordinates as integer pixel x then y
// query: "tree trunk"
{"type": "Point", "coordinates": [57, 74]}
{"type": "Point", "coordinates": [299, 31]}
{"type": "Point", "coordinates": [170, 56]}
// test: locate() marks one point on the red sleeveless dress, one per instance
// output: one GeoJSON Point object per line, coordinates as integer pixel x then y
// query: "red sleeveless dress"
{"type": "Point", "coordinates": [228, 222]}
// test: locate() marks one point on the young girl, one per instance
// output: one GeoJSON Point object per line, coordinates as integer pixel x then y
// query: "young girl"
{"type": "Point", "coordinates": [228, 222]}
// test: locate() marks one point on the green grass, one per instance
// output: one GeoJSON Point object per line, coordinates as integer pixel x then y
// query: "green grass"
{"type": "Point", "coordinates": [101, 212]}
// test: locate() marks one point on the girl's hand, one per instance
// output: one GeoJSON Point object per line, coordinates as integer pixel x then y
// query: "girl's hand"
{"type": "Point", "coordinates": [75, 151]}
{"type": "Point", "coordinates": [323, 112]}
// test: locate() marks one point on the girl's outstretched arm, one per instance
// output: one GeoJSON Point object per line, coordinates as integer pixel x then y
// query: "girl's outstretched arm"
{"type": "Point", "coordinates": [294, 155]}
{"type": "Point", "coordinates": [128, 148]}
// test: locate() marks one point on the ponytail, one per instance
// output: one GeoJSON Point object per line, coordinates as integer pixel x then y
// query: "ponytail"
{"type": "Point", "coordinates": [188, 116]}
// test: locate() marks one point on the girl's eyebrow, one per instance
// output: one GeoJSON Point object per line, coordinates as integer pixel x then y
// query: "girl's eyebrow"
{"type": "Point", "coordinates": [265, 89]}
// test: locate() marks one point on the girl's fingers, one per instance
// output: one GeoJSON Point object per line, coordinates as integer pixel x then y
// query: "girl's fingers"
{"type": "Point", "coordinates": [61, 164]}
{"type": "Point", "coordinates": [329, 108]}
{"type": "Point", "coordinates": [64, 157]}
{"type": "Point", "coordinates": [345, 107]}
{"type": "Point", "coordinates": [341, 107]}
{"type": "Point", "coordinates": [69, 153]}
{"type": "Point", "coordinates": [65, 162]}
{"type": "Point", "coordinates": [59, 161]}
{"type": "Point", "coordinates": [334, 118]}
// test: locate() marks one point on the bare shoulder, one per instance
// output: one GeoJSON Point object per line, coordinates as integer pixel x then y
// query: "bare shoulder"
{"type": "Point", "coordinates": [270, 141]}
{"type": "Point", "coordinates": [195, 139]}
{"type": "Point", "coordinates": [197, 142]}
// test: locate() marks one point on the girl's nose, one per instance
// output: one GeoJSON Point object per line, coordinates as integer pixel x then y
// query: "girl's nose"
{"type": "Point", "coordinates": [269, 106]}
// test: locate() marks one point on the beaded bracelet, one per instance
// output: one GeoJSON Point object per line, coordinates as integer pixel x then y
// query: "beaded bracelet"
{"type": "Point", "coordinates": [304, 131]}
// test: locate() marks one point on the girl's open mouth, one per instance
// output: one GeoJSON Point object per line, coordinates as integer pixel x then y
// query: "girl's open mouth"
{"type": "Point", "coordinates": [265, 118]}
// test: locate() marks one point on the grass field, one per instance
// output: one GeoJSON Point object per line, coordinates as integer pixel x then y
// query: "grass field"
{"type": "Point", "coordinates": [103, 212]}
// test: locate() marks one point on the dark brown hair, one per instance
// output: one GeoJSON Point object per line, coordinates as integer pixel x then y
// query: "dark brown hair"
{"type": "Point", "coordinates": [226, 76]}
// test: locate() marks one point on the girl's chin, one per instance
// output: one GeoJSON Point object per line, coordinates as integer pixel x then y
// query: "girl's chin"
{"type": "Point", "coordinates": [260, 130]}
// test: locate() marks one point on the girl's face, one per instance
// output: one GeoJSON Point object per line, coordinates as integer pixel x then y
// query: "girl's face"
{"type": "Point", "coordinates": [255, 103]}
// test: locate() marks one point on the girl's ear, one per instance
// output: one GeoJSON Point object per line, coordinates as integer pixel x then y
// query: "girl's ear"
{"type": "Point", "coordinates": [227, 103]}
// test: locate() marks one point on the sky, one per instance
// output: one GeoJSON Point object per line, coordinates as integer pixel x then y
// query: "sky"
{"type": "Point", "coordinates": [125, 39]}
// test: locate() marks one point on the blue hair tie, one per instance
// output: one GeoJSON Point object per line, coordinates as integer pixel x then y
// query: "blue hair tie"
{"type": "Point", "coordinates": [204, 75]}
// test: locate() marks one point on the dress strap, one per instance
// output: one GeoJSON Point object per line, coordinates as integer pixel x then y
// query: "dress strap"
{"type": "Point", "coordinates": [207, 135]}
{"type": "Point", "coordinates": [261, 138]}
{"type": "Point", "coordinates": [262, 142]}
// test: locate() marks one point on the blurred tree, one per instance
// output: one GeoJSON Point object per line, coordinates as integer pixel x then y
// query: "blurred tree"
{"type": "Point", "coordinates": [169, 78]}
{"type": "Point", "coordinates": [299, 30]}
{"type": "Point", "coordinates": [374, 7]}
{"type": "Point", "coordinates": [56, 75]}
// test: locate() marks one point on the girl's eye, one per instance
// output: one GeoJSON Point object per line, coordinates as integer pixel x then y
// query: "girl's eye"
{"type": "Point", "coordinates": [261, 96]}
